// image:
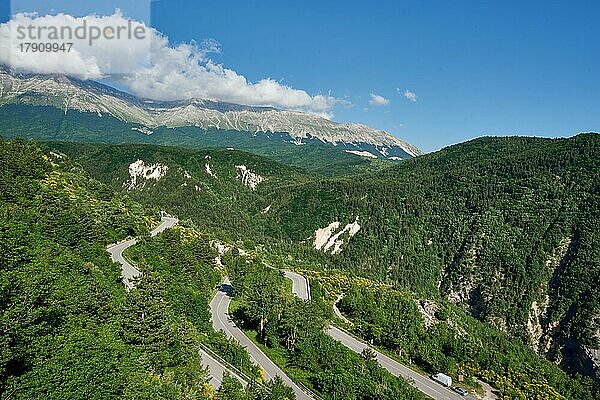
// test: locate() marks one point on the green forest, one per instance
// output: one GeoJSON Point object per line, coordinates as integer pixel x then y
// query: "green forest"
{"type": "Point", "coordinates": [51, 123]}
{"type": "Point", "coordinates": [455, 342]}
{"type": "Point", "coordinates": [293, 330]}
{"type": "Point", "coordinates": [504, 227]}
{"type": "Point", "coordinates": [495, 225]}
{"type": "Point", "coordinates": [69, 329]}
{"type": "Point", "coordinates": [477, 260]}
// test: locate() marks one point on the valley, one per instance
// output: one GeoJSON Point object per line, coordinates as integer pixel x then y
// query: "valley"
{"type": "Point", "coordinates": [299, 201]}
{"type": "Point", "coordinates": [252, 221]}
{"type": "Point", "coordinates": [493, 239]}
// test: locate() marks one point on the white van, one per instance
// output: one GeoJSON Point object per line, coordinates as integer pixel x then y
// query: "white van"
{"type": "Point", "coordinates": [443, 379]}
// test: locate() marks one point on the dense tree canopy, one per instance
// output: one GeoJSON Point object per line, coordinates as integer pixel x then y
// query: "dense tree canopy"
{"type": "Point", "coordinates": [68, 329]}
{"type": "Point", "coordinates": [294, 328]}
{"type": "Point", "coordinates": [501, 234]}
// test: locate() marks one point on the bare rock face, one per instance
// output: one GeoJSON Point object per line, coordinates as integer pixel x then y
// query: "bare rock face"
{"type": "Point", "coordinates": [71, 94]}
{"type": "Point", "coordinates": [547, 327]}
{"type": "Point", "coordinates": [540, 329]}
{"type": "Point", "coordinates": [428, 309]}
{"type": "Point", "coordinates": [249, 178]}
{"type": "Point", "coordinates": [140, 173]}
{"type": "Point", "coordinates": [594, 355]}
{"type": "Point", "coordinates": [331, 238]}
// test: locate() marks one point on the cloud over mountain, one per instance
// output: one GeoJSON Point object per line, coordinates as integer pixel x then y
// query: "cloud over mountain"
{"type": "Point", "coordinates": [378, 100]}
{"type": "Point", "coordinates": [155, 68]}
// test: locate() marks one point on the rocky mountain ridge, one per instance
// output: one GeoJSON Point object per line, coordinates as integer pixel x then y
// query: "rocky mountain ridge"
{"type": "Point", "coordinates": [92, 97]}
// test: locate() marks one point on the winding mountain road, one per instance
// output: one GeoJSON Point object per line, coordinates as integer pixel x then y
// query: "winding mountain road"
{"type": "Point", "coordinates": [422, 383]}
{"type": "Point", "coordinates": [128, 271]}
{"type": "Point", "coordinates": [216, 370]}
{"type": "Point", "coordinates": [219, 307]}
{"type": "Point", "coordinates": [300, 286]}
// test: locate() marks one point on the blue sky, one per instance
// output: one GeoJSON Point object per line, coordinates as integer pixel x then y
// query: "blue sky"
{"type": "Point", "coordinates": [491, 68]}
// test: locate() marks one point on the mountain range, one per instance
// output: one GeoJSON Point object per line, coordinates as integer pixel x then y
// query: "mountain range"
{"type": "Point", "coordinates": [478, 260]}
{"type": "Point", "coordinates": [145, 117]}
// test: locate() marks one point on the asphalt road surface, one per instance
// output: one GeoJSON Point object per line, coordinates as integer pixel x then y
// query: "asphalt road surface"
{"type": "Point", "coordinates": [216, 370]}
{"type": "Point", "coordinates": [300, 285]}
{"type": "Point", "coordinates": [219, 307]}
{"type": "Point", "coordinates": [422, 383]}
{"type": "Point", "coordinates": [128, 271]}
{"type": "Point", "coordinates": [166, 223]}
{"type": "Point", "coordinates": [221, 321]}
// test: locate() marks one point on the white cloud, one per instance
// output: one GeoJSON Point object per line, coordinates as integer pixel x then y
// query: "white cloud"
{"type": "Point", "coordinates": [167, 72]}
{"type": "Point", "coordinates": [377, 100]}
{"type": "Point", "coordinates": [408, 94]}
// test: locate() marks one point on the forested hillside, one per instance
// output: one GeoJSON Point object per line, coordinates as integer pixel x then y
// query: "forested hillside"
{"type": "Point", "coordinates": [505, 227]}
{"type": "Point", "coordinates": [71, 330]}
{"type": "Point", "coordinates": [220, 190]}
{"type": "Point", "coordinates": [292, 331]}
{"type": "Point", "coordinates": [44, 123]}
{"type": "Point", "coordinates": [68, 327]}
{"type": "Point", "coordinates": [438, 336]}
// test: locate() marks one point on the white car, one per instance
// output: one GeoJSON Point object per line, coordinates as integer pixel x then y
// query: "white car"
{"type": "Point", "coordinates": [460, 390]}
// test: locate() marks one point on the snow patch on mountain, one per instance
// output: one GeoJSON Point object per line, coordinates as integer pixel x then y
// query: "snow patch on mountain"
{"type": "Point", "coordinates": [361, 153]}
{"type": "Point", "coordinates": [140, 172]}
{"type": "Point", "coordinates": [327, 239]}
{"type": "Point", "coordinates": [249, 178]}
